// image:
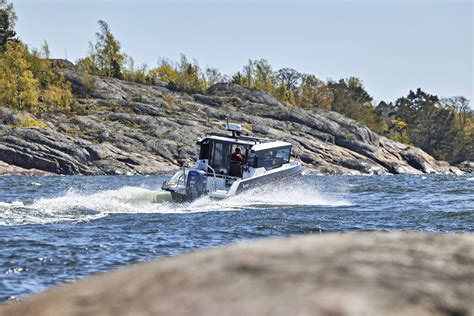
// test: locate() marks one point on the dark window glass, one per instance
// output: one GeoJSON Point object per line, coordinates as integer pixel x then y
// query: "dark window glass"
{"type": "Point", "coordinates": [283, 155]}
{"type": "Point", "coordinates": [221, 157]}
{"type": "Point", "coordinates": [271, 159]}
{"type": "Point", "coordinates": [205, 151]}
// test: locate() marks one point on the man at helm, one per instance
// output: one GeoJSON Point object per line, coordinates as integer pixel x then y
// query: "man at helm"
{"type": "Point", "coordinates": [237, 156]}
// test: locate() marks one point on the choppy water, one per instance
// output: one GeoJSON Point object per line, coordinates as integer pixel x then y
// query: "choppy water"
{"type": "Point", "coordinates": [57, 229]}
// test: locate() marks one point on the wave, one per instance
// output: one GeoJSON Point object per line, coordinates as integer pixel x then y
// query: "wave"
{"type": "Point", "coordinates": [80, 206]}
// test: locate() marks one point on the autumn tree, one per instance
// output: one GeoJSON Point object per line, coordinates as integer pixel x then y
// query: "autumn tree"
{"type": "Point", "coordinates": [184, 75]}
{"type": "Point", "coordinates": [257, 74]}
{"type": "Point", "coordinates": [105, 57]}
{"type": "Point", "coordinates": [264, 76]}
{"type": "Point", "coordinates": [190, 77]}
{"type": "Point", "coordinates": [314, 93]}
{"type": "Point", "coordinates": [57, 96]}
{"type": "Point", "coordinates": [20, 89]}
{"type": "Point", "coordinates": [165, 72]}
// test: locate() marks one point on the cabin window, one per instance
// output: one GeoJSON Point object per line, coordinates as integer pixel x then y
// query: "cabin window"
{"type": "Point", "coordinates": [252, 160]}
{"type": "Point", "coordinates": [221, 157]}
{"type": "Point", "coordinates": [283, 154]}
{"type": "Point", "coordinates": [270, 159]}
{"type": "Point", "coordinates": [205, 151]}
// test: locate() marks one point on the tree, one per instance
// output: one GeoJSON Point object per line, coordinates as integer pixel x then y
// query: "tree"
{"type": "Point", "coordinates": [464, 128]}
{"type": "Point", "coordinates": [7, 23]}
{"type": "Point", "coordinates": [430, 124]}
{"type": "Point", "coordinates": [19, 88]}
{"type": "Point", "coordinates": [58, 96]}
{"type": "Point", "coordinates": [105, 57]}
{"type": "Point", "coordinates": [314, 93]}
{"type": "Point", "coordinates": [135, 74]}
{"type": "Point", "coordinates": [418, 110]}
{"type": "Point", "coordinates": [184, 76]}
{"type": "Point", "coordinates": [45, 52]}
{"type": "Point", "coordinates": [190, 77]}
{"type": "Point", "coordinates": [248, 74]}
{"type": "Point", "coordinates": [352, 100]}
{"type": "Point", "coordinates": [400, 133]}
{"type": "Point", "coordinates": [164, 72]}
{"type": "Point", "coordinates": [264, 77]}
{"type": "Point", "coordinates": [238, 78]}
{"type": "Point", "coordinates": [257, 74]}
{"type": "Point", "coordinates": [41, 68]}
{"type": "Point", "coordinates": [290, 78]}
{"type": "Point", "coordinates": [213, 76]}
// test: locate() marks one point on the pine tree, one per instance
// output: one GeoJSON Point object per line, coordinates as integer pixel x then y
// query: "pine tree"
{"type": "Point", "coordinates": [7, 23]}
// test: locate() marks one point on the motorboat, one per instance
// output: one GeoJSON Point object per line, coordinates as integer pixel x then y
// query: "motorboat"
{"type": "Point", "coordinates": [216, 174]}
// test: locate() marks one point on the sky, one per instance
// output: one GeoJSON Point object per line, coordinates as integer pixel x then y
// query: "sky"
{"type": "Point", "coordinates": [393, 45]}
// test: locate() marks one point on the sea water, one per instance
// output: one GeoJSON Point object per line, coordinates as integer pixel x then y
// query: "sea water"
{"type": "Point", "coordinates": [58, 229]}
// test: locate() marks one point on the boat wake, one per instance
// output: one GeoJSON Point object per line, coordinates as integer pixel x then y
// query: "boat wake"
{"type": "Point", "coordinates": [79, 206]}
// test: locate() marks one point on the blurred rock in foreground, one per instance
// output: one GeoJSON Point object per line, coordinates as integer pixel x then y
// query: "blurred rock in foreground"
{"type": "Point", "coordinates": [331, 274]}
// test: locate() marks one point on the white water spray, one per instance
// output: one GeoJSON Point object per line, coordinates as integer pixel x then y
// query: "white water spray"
{"type": "Point", "coordinates": [80, 206]}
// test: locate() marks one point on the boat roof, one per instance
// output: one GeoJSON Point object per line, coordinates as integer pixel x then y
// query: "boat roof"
{"type": "Point", "coordinates": [256, 142]}
{"type": "Point", "coordinates": [270, 145]}
{"type": "Point", "coordinates": [237, 139]}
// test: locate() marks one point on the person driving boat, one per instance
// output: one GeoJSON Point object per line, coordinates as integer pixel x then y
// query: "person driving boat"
{"type": "Point", "coordinates": [237, 156]}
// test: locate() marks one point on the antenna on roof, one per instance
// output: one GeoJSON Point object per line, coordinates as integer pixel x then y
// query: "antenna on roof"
{"type": "Point", "coordinates": [236, 129]}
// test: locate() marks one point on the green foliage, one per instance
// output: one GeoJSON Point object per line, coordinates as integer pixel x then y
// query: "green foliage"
{"type": "Point", "coordinates": [441, 127]}
{"type": "Point", "coordinates": [88, 82]}
{"type": "Point", "coordinates": [213, 76]}
{"type": "Point", "coordinates": [7, 23]}
{"type": "Point", "coordinates": [58, 96]}
{"type": "Point", "coordinates": [257, 74]}
{"type": "Point", "coordinates": [27, 79]}
{"type": "Point", "coordinates": [399, 133]}
{"type": "Point", "coordinates": [351, 99]}
{"type": "Point", "coordinates": [314, 93]}
{"type": "Point", "coordinates": [105, 57]}
{"type": "Point", "coordinates": [287, 84]}
{"type": "Point", "coordinates": [41, 69]}
{"type": "Point", "coordinates": [20, 89]}
{"type": "Point", "coordinates": [45, 52]}
{"type": "Point", "coordinates": [184, 76]}
{"type": "Point", "coordinates": [135, 74]}
{"type": "Point", "coordinates": [164, 72]}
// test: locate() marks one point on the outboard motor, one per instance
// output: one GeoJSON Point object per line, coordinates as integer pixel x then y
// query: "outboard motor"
{"type": "Point", "coordinates": [196, 185]}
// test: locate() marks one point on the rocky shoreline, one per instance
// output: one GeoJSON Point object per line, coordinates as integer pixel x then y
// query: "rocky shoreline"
{"type": "Point", "coordinates": [129, 128]}
{"type": "Point", "coordinates": [330, 274]}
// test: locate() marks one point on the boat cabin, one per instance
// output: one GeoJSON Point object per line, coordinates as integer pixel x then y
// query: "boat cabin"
{"type": "Point", "coordinates": [219, 174]}
{"type": "Point", "coordinates": [216, 151]}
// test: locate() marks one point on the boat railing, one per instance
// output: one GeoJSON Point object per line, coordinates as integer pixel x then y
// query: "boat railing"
{"type": "Point", "coordinates": [214, 174]}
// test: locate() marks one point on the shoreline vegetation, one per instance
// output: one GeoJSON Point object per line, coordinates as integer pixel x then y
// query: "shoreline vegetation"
{"type": "Point", "coordinates": [46, 97]}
